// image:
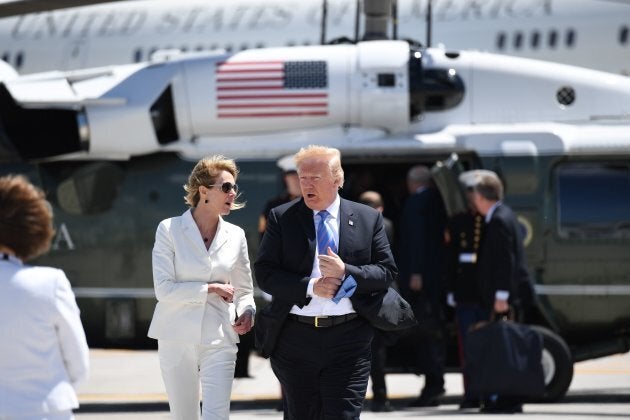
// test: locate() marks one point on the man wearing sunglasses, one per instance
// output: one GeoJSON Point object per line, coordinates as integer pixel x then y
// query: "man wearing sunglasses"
{"type": "Point", "coordinates": [324, 260]}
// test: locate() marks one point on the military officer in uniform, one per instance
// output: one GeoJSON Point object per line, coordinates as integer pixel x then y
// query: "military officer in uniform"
{"type": "Point", "coordinates": [463, 238]}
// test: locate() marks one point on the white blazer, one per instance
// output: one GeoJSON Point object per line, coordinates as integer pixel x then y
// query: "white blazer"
{"type": "Point", "coordinates": [43, 352]}
{"type": "Point", "coordinates": [182, 269]}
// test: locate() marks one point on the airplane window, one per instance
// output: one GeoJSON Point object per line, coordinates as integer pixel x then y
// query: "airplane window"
{"type": "Point", "coordinates": [291, 44]}
{"type": "Point", "coordinates": [183, 49]}
{"type": "Point", "coordinates": [137, 55]}
{"type": "Point", "coordinates": [6, 56]}
{"type": "Point", "coordinates": [535, 39]}
{"type": "Point", "coordinates": [228, 48]}
{"type": "Point", "coordinates": [214, 47]}
{"type": "Point", "coordinates": [570, 40]}
{"type": "Point", "coordinates": [19, 60]}
{"type": "Point", "coordinates": [260, 45]}
{"type": "Point", "coordinates": [244, 47]}
{"type": "Point", "coordinates": [553, 39]}
{"type": "Point", "coordinates": [199, 48]}
{"type": "Point", "coordinates": [501, 41]}
{"type": "Point", "coordinates": [623, 35]}
{"type": "Point", "coordinates": [518, 40]}
{"type": "Point", "coordinates": [593, 200]}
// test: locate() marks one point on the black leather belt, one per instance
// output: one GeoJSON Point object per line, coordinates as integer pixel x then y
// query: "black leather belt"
{"type": "Point", "coordinates": [324, 320]}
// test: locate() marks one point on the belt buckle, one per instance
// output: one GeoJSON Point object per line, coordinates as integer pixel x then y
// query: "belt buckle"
{"type": "Point", "coordinates": [317, 318]}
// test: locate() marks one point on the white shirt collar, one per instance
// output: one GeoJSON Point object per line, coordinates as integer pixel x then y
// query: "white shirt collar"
{"type": "Point", "coordinates": [11, 258]}
{"type": "Point", "coordinates": [333, 209]}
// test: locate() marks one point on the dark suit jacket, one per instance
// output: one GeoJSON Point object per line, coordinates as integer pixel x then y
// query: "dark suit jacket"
{"type": "Point", "coordinates": [421, 246]}
{"type": "Point", "coordinates": [285, 261]}
{"type": "Point", "coordinates": [501, 257]}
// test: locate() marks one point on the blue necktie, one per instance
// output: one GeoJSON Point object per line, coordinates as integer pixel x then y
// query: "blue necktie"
{"type": "Point", "coordinates": [324, 235]}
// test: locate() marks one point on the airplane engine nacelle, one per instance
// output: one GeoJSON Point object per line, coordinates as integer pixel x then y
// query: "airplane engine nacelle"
{"type": "Point", "coordinates": [278, 89]}
{"type": "Point", "coordinates": [120, 111]}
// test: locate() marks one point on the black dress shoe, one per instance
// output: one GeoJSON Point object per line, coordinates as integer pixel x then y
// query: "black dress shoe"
{"type": "Point", "coordinates": [501, 408]}
{"type": "Point", "coordinates": [469, 404]}
{"type": "Point", "coordinates": [379, 406]}
{"type": "Point", "coordinates": [428, 399]}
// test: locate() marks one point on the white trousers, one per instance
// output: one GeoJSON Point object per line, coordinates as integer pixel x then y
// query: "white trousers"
{"type": "Point", "coordinates": [184, 366]}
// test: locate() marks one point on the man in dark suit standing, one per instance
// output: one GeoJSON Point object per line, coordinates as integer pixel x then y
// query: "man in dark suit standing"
{"type": "Point", "coordinates": [421, 253]}
{"type": "Point", "coordinates": [501, 260]}
{"type": "Point", "coordinates": [322, 258]}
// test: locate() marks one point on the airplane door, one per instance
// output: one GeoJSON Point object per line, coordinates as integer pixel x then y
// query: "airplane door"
{"type": "Point", "coordinates": [75, 55]}
{"type": "Point", "coordinates": [446, 177]}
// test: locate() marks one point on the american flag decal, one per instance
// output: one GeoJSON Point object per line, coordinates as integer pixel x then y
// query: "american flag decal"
{"type": "Point", "coordinates": [263, 89]}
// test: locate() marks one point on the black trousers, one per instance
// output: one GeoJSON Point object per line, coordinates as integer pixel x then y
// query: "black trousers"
{"type": "Point", "coordinates": [377, 371]}
{"type": "Point", "coordinates": [323, 371]}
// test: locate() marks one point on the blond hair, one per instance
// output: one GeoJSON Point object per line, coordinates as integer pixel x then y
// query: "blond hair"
{"type": "Point", "coordinates": [333, 155]}
{"type": "Point", "coordinates": [205, 173]}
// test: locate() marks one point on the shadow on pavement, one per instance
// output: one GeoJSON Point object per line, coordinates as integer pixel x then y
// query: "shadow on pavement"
{"type": "Point", "coordinates": [591, 397]}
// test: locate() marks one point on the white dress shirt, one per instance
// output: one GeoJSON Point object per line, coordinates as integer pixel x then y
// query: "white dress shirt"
{"type": "Point", "coordinates": [318, 305]}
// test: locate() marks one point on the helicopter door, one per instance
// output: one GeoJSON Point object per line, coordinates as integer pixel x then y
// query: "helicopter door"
{"type": "Point", "coordinates": [446, 177]}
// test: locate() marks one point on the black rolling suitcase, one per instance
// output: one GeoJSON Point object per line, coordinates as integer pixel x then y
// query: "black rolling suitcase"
{"type": "Point", "coordinates": [504, 358]}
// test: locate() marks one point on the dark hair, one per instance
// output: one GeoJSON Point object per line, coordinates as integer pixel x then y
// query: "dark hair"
{"type": "Point", "coordinates": [371, 198]}
{"type": "Point", "coordinates": [26, 217]}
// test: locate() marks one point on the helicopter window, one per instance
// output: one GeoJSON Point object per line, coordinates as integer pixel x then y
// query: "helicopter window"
{"type": "Point", "coordinates": [501, 41]}
{"type": "Point", "coordinates": [593, 201]}
{"type": "Point", "coordinates": [553, 39]}
{"type": "Point", "coordinates": [623, 35]}
{"type": "Point", "coordinates": [570, 39]}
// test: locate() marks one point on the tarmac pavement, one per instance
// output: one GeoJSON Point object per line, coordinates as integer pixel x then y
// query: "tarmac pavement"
{"type": "Point", "coordinates": [126, 384]}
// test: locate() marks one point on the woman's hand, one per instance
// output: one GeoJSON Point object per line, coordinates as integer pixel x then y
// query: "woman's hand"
{"type": "Point", "coordinates": [244, 323]}
{"type": "Point", "coordinates": [225, 291]}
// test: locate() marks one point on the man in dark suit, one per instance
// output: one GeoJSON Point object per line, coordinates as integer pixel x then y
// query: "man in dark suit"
{"type": "Point", "coordinates": [501, 260]}
{"type": "Point", "coordinates": [323, 270]}
{"type": "Point", "coordinates": [421, 253]}
{"type": "Point", "coordinates": [380, 402]}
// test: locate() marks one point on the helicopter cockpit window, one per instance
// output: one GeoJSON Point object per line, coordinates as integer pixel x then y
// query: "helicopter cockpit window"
{"type": "Point", "coordinates": [593, 201]}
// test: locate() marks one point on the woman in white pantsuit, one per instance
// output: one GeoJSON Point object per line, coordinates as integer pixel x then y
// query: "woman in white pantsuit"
{"type": "Point", "coordinates": [43, 351]}
{"type": "Point", "coordinates": [204, 289]}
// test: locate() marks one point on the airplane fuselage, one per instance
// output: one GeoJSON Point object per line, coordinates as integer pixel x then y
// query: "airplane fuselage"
{"type": "Point", "coordinates": [587, 33]}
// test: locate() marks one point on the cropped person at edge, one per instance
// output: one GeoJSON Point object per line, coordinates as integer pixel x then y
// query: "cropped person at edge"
{"type": "Point", "coordinates": [43, 353]}
{"type": "Point", "coordinates": [203, 283]}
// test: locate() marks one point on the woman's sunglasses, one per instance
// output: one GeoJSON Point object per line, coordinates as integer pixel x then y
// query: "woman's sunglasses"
{"type": "Point", "coordinates": [226, 187]}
